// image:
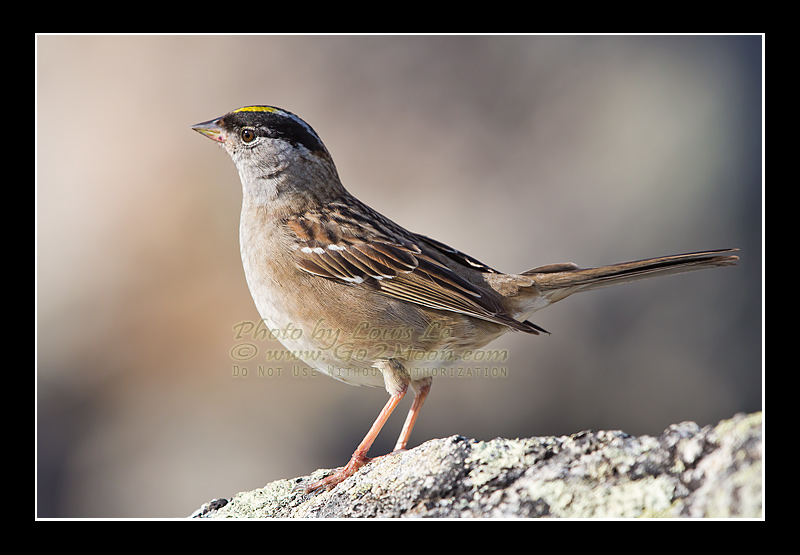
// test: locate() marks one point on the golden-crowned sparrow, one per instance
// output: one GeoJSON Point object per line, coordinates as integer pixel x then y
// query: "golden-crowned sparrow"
{"type": "Point", "coordinates": [374, 303]}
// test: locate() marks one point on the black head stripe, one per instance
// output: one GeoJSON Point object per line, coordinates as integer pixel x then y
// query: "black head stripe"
{"type": "Point", "coordinates": [275, 123]}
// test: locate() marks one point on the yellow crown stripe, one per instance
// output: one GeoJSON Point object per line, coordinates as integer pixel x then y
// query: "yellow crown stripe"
{"type": "Point", "coordinates": [256, 109]}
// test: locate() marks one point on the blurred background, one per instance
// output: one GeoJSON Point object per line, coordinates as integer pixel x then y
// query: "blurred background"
{"type": "Point", "coordinates": [519, 150]}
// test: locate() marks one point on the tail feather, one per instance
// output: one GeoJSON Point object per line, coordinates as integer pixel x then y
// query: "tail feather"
{"type": "Point", "coordinates": [569, 278]}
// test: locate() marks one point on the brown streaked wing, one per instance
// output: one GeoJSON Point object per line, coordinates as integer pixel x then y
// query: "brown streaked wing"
{"type": "Point", "coordinates": [396, 267]}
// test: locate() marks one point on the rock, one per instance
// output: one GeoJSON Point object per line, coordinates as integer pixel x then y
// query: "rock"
{"type": "Point", "coordinates": [687, 471]}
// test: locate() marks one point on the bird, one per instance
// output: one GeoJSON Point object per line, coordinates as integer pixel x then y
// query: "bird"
{"type": "Point", "coordinates": [373, 303]}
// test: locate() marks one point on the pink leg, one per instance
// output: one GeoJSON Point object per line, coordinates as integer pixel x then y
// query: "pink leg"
{"type": "Point", "coordinates": [420, 394]}
{"type": "Point", "coordinates": [396, 379]}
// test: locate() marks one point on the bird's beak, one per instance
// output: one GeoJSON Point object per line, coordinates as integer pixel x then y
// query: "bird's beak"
{"type": "Point", "coordinates": [211, 129]}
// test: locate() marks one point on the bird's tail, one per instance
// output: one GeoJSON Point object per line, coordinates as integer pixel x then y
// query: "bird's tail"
{"type": "Point", "coordinates": [557, 281]}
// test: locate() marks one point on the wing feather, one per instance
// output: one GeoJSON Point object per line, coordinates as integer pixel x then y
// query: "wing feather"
{"type": "Point", "coordinates": [375, 253]}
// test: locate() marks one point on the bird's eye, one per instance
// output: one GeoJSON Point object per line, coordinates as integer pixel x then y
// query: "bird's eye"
{"type": "Point", "coordinates": [248, 135]}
